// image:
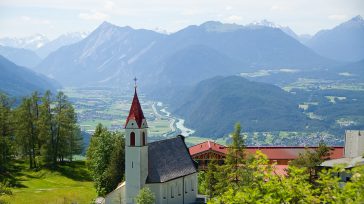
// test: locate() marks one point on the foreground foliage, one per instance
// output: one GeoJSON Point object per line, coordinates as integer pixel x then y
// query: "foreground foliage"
{"type": "Point", "coordinates": [106, 160]}
{"type": "Point", "coordinates": [252, 179]}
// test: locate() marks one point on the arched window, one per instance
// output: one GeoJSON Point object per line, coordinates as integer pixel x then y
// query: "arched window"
{"type": "Point", "coordinates": [143, 138]}
{"type": "Point", "coordinates": [132, 139]}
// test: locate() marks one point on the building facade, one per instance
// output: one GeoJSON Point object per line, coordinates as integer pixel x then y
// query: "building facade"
{"type": "Point", "coordinates": [165, 166]}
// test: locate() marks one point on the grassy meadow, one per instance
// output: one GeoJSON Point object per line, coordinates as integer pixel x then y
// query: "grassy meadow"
{"type": "Point", "coordinates": [70, 183]}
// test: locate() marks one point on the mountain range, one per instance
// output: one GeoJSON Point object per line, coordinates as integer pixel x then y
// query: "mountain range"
{"type": "Point", "coordinates": [111, 55]}
{"type": "Point", "coordinates": [31, 42]}
{"type": "Point", "coordinates": [19, 81]}
{"type": "Point", "coordinates": [40, 44]}
{"type": "Point", "coordinates": [20, 56]}
{"type": "Point", "coordinates": [344, 42]}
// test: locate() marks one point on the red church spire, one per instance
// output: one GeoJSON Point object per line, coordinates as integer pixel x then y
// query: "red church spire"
{"type": "Point", "coordinates": [136, 112]}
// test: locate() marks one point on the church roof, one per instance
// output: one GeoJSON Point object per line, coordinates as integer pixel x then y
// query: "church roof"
{"type": "Point", "coordinates": [136, 112]}
{"type": "Point", "coordinates": [169, 159]}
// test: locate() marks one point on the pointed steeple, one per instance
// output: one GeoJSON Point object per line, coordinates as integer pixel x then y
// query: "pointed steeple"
{"type": "Point", "coordinates": [136, 112]}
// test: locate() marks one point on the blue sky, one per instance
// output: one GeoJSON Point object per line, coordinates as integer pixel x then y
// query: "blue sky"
{"type": "Point", "coordinates": [19, 18]}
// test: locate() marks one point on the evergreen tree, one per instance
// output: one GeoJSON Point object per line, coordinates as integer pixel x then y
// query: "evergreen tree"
{"type": "Point", "coordinates": [46, 130]}
{"type": "Point", "coordinates": [67, 136]}
{"type": "Point", "coordinates": [6, 132]}
{"type": "Point", "coordinates": [235, 156]}
{"type": "Point", "coordinates": [311, 159]}
{"type": "Point", "coordinates": [211, 178]}
{"type": "Point", "coordinates": [25, 131]}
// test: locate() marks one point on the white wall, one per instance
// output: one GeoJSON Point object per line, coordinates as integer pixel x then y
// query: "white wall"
{"type": "Point", "coordinates": [354, 143]}
{"type": "Point", "coordinates": [117, 196]}
{"type": "Point", "coordinates": [176, 191]}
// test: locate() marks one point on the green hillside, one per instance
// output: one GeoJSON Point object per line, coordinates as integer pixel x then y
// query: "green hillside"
{"type": "Point", "coordinates": [214, 105]}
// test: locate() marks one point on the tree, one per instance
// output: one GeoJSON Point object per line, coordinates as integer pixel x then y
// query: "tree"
{"type": "Point", "coordinates": [211, 179]}
{"type": "Point", "coordinates": [145, 196]}
{"type": "Point", "coordinates": [105, 159]}
{"type": "Point", "coordinates": [6, 132]}
{"type": "Point", "coordinates": [66, 134]}
{"type": "Point", "coordinates": [47, 130]}
{"type": "Point", "coordinates": [311, 159]}
{"type": "Point", "coordinates": [25, 131]}
{"type": "Point", "coordinates": [235, 157]}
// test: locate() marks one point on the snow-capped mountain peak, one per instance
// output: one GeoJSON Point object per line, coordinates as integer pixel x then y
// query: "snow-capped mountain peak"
{"type": "Point", "coordinates": [31, 42]}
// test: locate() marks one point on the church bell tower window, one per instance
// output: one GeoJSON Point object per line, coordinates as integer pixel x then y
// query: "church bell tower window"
{"type": "Point", "coordinates": [132, 139]}
{"type": "Point", "coordinates": [143, 138]}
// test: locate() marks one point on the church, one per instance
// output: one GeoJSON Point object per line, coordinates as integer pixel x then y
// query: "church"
{"type": "Point", "coordinates": [164, 166]}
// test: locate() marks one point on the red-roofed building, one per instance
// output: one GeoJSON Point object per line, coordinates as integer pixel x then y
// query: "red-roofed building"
{"type": "Point", "coordinates": [204, 152]}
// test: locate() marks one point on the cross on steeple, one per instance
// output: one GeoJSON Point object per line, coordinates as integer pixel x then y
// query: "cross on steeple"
{"type": "Point", "coordinates": [135, 82]}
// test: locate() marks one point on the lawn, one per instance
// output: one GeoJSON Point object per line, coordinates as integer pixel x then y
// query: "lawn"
{"type": "Point", "coordinates": [70, 183]}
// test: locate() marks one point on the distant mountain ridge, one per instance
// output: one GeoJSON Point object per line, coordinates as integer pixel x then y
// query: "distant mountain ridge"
{"type": "Point", "coordinates": [111, 55]}
{"type": "Point", "coordinates": [20, 56]}
{"type": "Point", "coordinates": [344, 42]}
{"type": "Point", "coordinates": [20, 81]}
{"type": "Point", "coordinates": [62, 40]}
{"type": "Point", "coordinates": [214, 105]}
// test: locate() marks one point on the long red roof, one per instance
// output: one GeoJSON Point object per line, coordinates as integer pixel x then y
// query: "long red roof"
{"type": "Point", "coordinates": [136, 112]}
{"type": "Point", "coordinates": [272, 152]}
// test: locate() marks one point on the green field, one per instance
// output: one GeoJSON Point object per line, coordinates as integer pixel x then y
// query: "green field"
{"type": "Point", "coordinates": [110, 107]}
{"type": "Point", "coordinates": [69, 184]}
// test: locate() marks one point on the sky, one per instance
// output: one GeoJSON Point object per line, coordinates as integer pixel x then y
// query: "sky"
{"type": "Point", "coordinates": [20, 18]}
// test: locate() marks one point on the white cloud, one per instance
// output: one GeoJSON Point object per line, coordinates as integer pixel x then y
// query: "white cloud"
{"type": "Point", "coordinates": [233, 18]}
{"type": "Point", "coordinates": [109, 5]}
{"type": "Point", "coordinates": [279, 8]}
{"type": "Point", "coordinates": [34, 21]}
{"type": "Point", "coordinates": [337, 17]}
{"type": "Point", "coordinates": [93, 15]}
{"type": "Point", "coordinates": [228, 8]}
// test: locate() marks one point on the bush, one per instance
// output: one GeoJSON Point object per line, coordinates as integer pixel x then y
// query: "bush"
{"type": "Point", "coordinates": [145, 196]}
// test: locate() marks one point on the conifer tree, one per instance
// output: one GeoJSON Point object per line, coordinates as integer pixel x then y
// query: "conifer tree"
{"type": "Point", "coordinates": [235, 156]}
{"type": "Point", "coordinates": [46, 130]}
{"type": "Point", "coordinates": [6, 132]}
{"type": "Point", "coordinates": [25, 131]}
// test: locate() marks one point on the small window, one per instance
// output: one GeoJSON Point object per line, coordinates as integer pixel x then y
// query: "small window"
{"type": "Point", "coordinates": [179, 189]}
{"type": "Point", "coordinates": [185, 187]}
{"type": "Point", "coordinates": [172, 196]}
{"type": "Point", "coordinates": [132, 139]}
{"type": "Point", "coordinates": [165, 192]}
{"type": "Point", "coordinates": [143, 138]}
{"type": "Point", "coordinates": [132, 165]}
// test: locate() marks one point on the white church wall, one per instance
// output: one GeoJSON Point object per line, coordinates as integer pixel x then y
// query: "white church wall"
{"type": "Point", "coordinates": [180, 190]}
{"type": "Point", "coordinates": [117, 196]}
{"type": "Point", "coordinates": [190, 188]}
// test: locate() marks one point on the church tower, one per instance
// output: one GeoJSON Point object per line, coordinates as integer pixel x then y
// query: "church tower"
{"type": "Point", "coordinates": [136, 150]}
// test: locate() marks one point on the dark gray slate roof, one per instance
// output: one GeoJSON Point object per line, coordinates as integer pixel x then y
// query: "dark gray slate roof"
{"type": "Point", "coordinates": [169, 159]}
